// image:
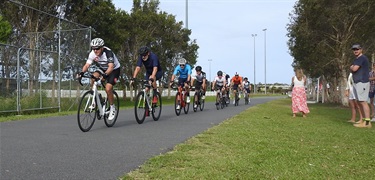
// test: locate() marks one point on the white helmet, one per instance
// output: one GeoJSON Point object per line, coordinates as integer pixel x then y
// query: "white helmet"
{"type": "Point", "coordinates": [182, 61]}
{"type": "Point", "coordinates": [97, 42]}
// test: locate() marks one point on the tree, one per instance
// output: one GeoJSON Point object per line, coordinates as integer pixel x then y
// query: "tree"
{"type": "Point", "coordinates": [321, 33]}
{"type": "Point", "coordinates": [5, 30]}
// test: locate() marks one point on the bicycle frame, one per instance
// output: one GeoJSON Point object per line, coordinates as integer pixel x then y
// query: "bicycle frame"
{"type": "Point", "coordinates": [182, 95]}
{"type": "Point", "coordinates": [97, 82]}
{"type": "Point", "coordinates": [144, 86]}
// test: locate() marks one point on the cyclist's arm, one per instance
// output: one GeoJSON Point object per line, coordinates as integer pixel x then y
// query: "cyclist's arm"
{"type": "Point", "coordinates": [85, 67]}
{"type": "Point", "coordinates": [174, 73]}
{"type": "Point", "coordinates": [172, 78]}
{"type": "Point", "coordinates": [136, 70]}
{"type": "Point", "coordinates": [154, 71]}
{"type": "Point", "coordinates": [110, 68]}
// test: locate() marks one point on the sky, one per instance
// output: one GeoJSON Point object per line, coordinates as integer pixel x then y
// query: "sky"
{"type": "Point", "coordinates": [224, 32]}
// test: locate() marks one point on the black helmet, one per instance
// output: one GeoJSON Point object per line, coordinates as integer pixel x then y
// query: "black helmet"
{"type": "Point", "coordinates": [220, 73]}
{"type": "Point", "coordinates": [143, 50]}
{"type": "Point", "coordinates": [198, 68]}
{"type": "Point", "coordinates": [245, 78]}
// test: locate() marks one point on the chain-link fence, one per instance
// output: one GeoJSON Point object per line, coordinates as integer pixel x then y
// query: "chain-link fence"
{"type": "Point", "coordinates": [37, 69]}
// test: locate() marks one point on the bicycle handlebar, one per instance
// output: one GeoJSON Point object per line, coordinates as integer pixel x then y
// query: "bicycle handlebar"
{"type": "Point", "coordinates": [85, 75]}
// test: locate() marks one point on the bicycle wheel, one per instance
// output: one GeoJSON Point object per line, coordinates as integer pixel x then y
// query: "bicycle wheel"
{"type": "Point", "coordinates": [177, 103]}
{"type": "Point", "coordinates": [246, 98]}
{"type": "Point", "coordinates": [218, 102]}
{"type": "Point", "coordinates": [86, 113]}
{"type": "Point", "coordinates": [222, 103]}
{"type": "Point", "coordinates": [195, 106]}
{"type": "Point", "coordinates": [201, 101]}
{"type": "Point", "coordinates": [236, 99]}
{"type": "Point", "coordinates": [187, 105]}
{"type": "Point", "coordinates": [156, 107]}
{"type": "Point", "coordinates": [140, 107]}
{"type": "Point", "coordinates": [116, 102]}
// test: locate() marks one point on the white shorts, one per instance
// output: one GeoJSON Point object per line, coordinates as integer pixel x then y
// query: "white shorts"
{"type": "Point", "coordinates": [361, 91]}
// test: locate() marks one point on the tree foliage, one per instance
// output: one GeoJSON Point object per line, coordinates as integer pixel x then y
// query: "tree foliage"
{"type": "Point", "coordinates": [321, 33]}
{"type": "Point", "coordinates": [5, 30]}
{"type": "Point", "coordinates": [124, 32]}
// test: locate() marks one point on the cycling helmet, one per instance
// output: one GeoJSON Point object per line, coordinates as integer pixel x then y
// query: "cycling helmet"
{"type": "Point", "coordinates": [182, 61]}
{"type": "Point", "coordinates": [236, 74]}
{"type": "Point", "coordinates": [143, 50]}
{"type": "Point", "coordinates": [198, 68]}
{"type": "Point", "coordinates": [245, 78]}
{"type": "Point", "coordinates": [97, 42]}
{"type": "Point", "coordinates": [220, 73]}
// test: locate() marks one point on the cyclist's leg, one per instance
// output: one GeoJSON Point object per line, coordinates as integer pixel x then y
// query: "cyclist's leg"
{"type": "Point", "coordinates": [111, 81]}
{"type": "Point", "coordinates": [204, 90]}
{"type": "Point", "coordinates": [181, 84]}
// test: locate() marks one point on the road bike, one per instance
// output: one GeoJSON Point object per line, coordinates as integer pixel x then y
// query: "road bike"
{"type": "Point", "coordinates": [246, 95]}
{"type": "Point", "coordinates": [93, 105]}
{"type": "Point", "coordinates": [197, 100]}
{"type": "Point", "coordinates": [147, 102]}
{"type": "Point", "coordinates": [220, 100]}
{"type": "Point", "coordinates": [236, 98]}
{"type": "Point", "coordinates": [182, 95]}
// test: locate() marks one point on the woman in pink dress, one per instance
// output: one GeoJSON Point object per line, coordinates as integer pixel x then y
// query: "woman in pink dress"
{"type": "Point", "coordinates": [299, 99]}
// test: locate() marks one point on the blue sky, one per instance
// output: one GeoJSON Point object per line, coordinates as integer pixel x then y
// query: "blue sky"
{"type": "Point", "coordinates": [223, 30]}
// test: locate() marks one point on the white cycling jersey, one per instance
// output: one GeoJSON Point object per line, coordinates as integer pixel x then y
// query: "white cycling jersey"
{"type": "Point", "coordinates": [246, 84]}
{"type": "Point", "coordinates": [102, 61]}
{"type": "Point", "coordinates": [219, 81]}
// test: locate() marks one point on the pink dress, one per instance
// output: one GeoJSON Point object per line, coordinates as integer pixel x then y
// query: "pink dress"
{"type": "Point", "coordinates": [299, 99]}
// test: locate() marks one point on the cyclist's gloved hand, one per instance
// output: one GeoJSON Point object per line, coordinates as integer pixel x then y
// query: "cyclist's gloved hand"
{"type": "Point", "coordinates": [81, 74]}
{"type": "Point", "coordinates": [105, 75]}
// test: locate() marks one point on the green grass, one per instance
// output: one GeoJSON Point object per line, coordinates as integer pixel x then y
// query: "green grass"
{"type": "Point", "coordinates": [265, 142]}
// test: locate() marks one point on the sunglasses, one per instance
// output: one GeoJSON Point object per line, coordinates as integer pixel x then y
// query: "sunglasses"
{"type": "Point", "coordinates": [96, 48]}
{"type": "Point", "coordinates": [355, 49]}
{"type": "Point", "coordinates": [182, 64]}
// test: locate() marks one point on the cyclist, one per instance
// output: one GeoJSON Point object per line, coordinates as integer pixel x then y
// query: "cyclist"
{"type": "Point", "coordinates": [227, 87]}
{"type": "Point", "coordinates": [219, 83]}
{"type": "Point", "coordinates": [108, 66]}
{"type": "Point", "coordinates": [184, 71]}
{"type": "Point", "coordinates": [151, 63]}
{"type": "Point", "coordinates": [236, 84]}
{"type": "Point", "coordinates": [200, 76]}
{"type": "Point", "coordinates": [247, 87]}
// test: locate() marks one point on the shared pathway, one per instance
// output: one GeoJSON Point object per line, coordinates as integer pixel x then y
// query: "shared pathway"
{"type": "Point", "coordinates": [55, 148]}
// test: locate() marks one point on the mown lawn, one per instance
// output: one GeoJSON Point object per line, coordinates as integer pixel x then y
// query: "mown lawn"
{"type": "Point", "coordinates": [265, 142]}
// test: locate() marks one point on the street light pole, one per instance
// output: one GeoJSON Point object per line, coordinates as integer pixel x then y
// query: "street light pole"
{"type": "Point", "coordinates": [265, 60]}
{"type": "Point", "coordinates": [254, 35]}
{"type": "Point", "coordinates": [186, 15]}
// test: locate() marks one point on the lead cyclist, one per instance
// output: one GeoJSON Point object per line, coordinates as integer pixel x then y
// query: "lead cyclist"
{"type": "Point", "coordinates": [108, 67]}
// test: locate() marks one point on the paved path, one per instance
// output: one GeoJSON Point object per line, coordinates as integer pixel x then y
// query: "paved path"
{"type": "Point", "coordinates": [55, 148]}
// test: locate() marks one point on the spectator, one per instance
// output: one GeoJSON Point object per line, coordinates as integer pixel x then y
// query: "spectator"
{"type": "Point", "coordinates": [359, 68]}
{"type": "Point", "coordinates": [352, 101]}
{"type": "Point", "coordinates": [299, 99]}
{"type": "Point", "coordinates": [372, 90]}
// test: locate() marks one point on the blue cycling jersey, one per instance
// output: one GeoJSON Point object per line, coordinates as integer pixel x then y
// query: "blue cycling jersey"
{"type": "Point", "coordinates": [183, 72]}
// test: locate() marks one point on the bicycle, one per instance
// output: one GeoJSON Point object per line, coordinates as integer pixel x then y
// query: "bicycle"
{"type": "Point", "coordinates": [197, 100]}
{"type": "Point", "coordinates": [220, 100]}
{"type": "Point", "coordinates": [181, 94]}
{"type": "Point", "coordinates": [236, 97]}
{"type": "Point", "coordinates": [147, 102]}
{"type": "Point", "coordinates": [92, 105]}
{"type": "Point", "coordinates": [247, 99]}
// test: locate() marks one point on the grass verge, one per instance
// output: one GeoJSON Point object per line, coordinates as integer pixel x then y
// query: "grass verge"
{"type": "Point", "coordinates": [265, 142]}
